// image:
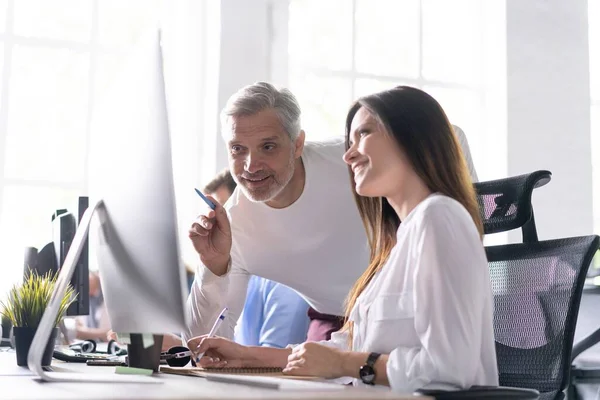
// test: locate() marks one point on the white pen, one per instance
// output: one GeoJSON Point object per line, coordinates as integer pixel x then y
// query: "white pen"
{"type": "Point", "coordinates": [214, 329]}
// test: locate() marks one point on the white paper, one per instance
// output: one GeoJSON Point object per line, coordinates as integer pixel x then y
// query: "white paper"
{"type": "Point", "coordinates": [147, 340]}
{"type": "Point", "coordinates": [123, 338]}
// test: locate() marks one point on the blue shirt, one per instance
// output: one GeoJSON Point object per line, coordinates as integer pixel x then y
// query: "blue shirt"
{"type": "Point", "coordinates": [274, 315]}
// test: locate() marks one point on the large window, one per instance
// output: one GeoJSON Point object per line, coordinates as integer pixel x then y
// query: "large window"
{"type": "Point", "coordinates": [594, 43]}
{"type": "Point", "coordinates": [56, 58]}
{"type": "Point", "coordinates": [342, 49]}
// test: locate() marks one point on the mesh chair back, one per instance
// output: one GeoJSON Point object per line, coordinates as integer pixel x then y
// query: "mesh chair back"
{"type": "Point", "coordinates": [537, 289]}
{"type": "Point", "coordinates": [505, 204]}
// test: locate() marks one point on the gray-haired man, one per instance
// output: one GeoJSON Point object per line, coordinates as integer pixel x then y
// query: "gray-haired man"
{"type": "Point", "coordinates": [292, 218]}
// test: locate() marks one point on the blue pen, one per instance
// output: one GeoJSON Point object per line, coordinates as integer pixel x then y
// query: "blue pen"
{"type": "Point", "coordinates": [206, 200]}
{"type": "Point", "coordinates": [214, 329]}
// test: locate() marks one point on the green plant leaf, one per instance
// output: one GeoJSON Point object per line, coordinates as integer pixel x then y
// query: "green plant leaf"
{"type": "Point", "coordinates": [26, 302]}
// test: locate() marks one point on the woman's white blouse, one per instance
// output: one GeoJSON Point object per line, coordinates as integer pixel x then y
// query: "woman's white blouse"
{"type": "Point", "coordinates": [430, 307]}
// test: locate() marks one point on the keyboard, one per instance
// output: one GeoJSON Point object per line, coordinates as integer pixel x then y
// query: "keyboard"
{"type": "Point", "coordinates": [68, 355]}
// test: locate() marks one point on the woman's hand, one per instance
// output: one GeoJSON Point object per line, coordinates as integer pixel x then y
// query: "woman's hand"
{"type": "Point", "coordinates": [219, 352]}
{"type": "Point", "coordinates": [313, 359]}
{"type": "Point", "coordinates": [111, 335]}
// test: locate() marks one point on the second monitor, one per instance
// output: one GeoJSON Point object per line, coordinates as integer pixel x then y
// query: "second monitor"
{"type": "Point", "coordinates": [64, 224]}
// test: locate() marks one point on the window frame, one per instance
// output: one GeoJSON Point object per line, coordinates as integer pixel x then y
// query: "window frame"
{"type": "Point", "coordinates": [353, 75]}
{"type": "Point", "coordinates": [93, 49]}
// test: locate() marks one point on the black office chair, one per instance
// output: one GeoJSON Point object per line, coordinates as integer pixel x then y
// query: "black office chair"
{"type": "Point", "coordinates": [585, 370]}
{"type": "Point", "coordinates": [498, 217]}
{"type": "Point", "coordinates": [537, 290]}
{"type": "Point", "coordinates": [505, 204]}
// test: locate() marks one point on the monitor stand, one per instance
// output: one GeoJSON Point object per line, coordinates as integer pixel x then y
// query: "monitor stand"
{"type": "Point", "coordinates": [44, 330]}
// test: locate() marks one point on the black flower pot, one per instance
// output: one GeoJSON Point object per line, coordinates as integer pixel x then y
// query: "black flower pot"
{"type": "Point", "coordinates": [24, 337]}
{"type": "Point", "coordinates": [6, 327]}
{"type": "Point", "coordinates": [140, 357]}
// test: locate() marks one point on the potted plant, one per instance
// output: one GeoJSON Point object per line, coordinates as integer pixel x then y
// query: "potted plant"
{"type": "Point", "coordinates": [24, 307]}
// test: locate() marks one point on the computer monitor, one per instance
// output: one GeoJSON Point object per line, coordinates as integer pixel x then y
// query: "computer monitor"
{"type": "Point", "coordinates": [81, 278]}
{"type": "Point", "coordinates": [52, 256]}
{"type": "Point", "coordinates": [64, 225]}
{"type": "Point", "coordinates": [142, 276]}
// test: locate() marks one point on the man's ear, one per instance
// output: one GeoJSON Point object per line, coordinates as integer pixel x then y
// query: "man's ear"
{"type": "Point", "coordinates": [299, 145]}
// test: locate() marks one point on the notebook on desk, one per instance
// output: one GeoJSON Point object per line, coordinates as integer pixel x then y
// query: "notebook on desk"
{"type": "Point", "coordinates": [270, 378]}
{"type": "Point", "coordinates": [255, 371]}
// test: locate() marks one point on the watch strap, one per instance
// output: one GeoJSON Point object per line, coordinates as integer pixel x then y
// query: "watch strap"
{"type": "Point", "coordinates": [372, 359]}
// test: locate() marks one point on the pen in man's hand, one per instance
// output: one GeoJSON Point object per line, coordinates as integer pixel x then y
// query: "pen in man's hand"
{"type": "Point", "coordinates": [206, 200]}
{"type": "Point", "coordinates": [214, 329]}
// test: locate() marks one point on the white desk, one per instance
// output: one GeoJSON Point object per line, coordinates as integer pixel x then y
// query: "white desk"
{"type": "Point", "coordinates": [174, 387]}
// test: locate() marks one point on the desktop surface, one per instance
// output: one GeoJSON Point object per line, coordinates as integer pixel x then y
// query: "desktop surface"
{"type": "Point", "coordinates": [18, 383]}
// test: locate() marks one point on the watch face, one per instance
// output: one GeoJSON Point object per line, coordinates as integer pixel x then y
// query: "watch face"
{"type": "Point", "coordinates": [367, 374]}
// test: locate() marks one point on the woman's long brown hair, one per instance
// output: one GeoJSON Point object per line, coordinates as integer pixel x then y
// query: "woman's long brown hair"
{"type": "Point", "coordinates": [417, 122]}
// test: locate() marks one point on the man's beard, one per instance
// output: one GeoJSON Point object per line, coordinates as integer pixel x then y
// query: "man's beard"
{"type": "Point", "coordinates": [277, 185]}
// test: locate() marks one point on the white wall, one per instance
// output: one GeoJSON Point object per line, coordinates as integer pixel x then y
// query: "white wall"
{"type": "Point", "coordinates": [548, 109]}
{"type": "Point", "coordinates": [245, 52]}
{"type": "Point", "coordinates": [190, 37]}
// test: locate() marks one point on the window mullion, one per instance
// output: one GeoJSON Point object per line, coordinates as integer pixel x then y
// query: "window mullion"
{"type": "Point", "coordinates": [4, 94]}
{"type": "Point", "coordinates": [43, 183]}
{"type": "Point", "coordinates": [420, 79]}
{"type": "Point", "coordinates": [49, 43]}
{"type": "Point", "coordinates": [353, 68]}
{"type": "Point", "coordinates": [94, 50]}
{"type": "Point", "coordinates": [323, 72]}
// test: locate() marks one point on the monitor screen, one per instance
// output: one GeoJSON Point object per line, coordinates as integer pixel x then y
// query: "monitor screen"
{"type": "Point", "coordinates": [135, 235]}
{"type": "Point", "coordinates": [64, 225]}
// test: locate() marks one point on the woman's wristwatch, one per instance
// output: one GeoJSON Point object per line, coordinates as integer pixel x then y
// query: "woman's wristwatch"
{"type": "Point", "coordinates": [367, 371]}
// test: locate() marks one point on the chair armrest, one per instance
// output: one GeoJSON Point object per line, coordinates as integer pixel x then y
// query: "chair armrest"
{"type": "Point", "coordinates": [584, 344]}
{"type": "Point", "coordinates": [482, 392]}
{"type": "Point", "coordinates": [585, 375]}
